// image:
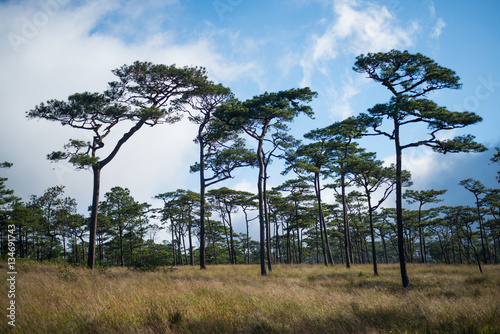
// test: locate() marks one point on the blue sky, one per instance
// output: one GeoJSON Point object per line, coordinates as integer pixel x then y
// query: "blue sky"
{"type": "Point", "coordinates": [53, 48]}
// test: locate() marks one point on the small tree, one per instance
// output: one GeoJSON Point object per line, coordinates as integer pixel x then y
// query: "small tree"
{"type": "Point", "coordinates": [409, 77]}
{"type": "Point", "coordinates": [477, 188]}
{"type": "Point", "coordinates": [225, 201]}
{"type": "Point", "coordinates": [422, 197]}
{"type": "Point", "coordinates": [300, 192]}
{"type": "Point", "coordinates": [256, 117]}
{"type": "Point", "coordinates": [372, 176]}
{"type": "Point", "coordinates": [247, 202]}
{"type": "Point", "coordinates": [496, 158]}
{"type": "Point", "coordinates": [121, 207]}
{"type": "Point", "coordinates": [180, 207]}
{"type": "Point", "coordinates": [6, 195]}
{"type": "Point", "coordinates": [141, 96]}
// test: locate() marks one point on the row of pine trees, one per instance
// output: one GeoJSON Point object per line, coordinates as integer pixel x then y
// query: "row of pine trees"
{"type": "Point", "coordinates": [49, 228]}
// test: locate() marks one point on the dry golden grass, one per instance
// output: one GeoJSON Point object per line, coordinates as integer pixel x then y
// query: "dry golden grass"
{"type": "Point", "coordinates": [236, 299]}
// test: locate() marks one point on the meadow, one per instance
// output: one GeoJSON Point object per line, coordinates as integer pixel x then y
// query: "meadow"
{"type": "Point", "coordinates": [57, 298]}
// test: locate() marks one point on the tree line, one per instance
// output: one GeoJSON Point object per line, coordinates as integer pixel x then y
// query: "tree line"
{"type": "Point", "coordinates": [48, 227]}
{"type": "Point", "coordinates": [295, 223]}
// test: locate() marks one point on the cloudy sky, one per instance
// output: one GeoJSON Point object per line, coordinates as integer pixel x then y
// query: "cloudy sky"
{"type": "Point", "coordinates": [50, 49]}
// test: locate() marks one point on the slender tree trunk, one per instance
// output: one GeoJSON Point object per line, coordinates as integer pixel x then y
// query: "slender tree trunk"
{"type": "Point", "coordinates": [367, 252]}
{"type": "Point", "coordinates": [347, 241]}
{"type": "Point", "coordinates": [233, 252]}
{"type": "Point", "coordinates": [317, 242]}
{"type": "Point", "coordinates": [99, 244]}
{"type": "Point", "coordinates": [459, 246]}
{"type": "Point", "coordinates": [384, 246]}
{"type": "Point", "coordinates": [122, 258]}
{"type": "Point", "coordinates": [191, 256]}
{"type": "Point", "coordinates": [228, 245]}
{"type": "Point", "coordinates": [481, 230]}
{"type": "Point", "coordinates": [469, 237]}
{"type": "Point", "coordinates": [420, 235]}
{"type": "Point", "coordinates": [399, 207]}
{"type": "Point", "coordinates": [83, 249]}
{"type": "Point", "coordinates": [298, 233]}
{"type": "Point", "coordinates": [453, 249]}
{"type": "Point", "coordinates": [185, 249]}
{"type": "Point", "coordinates": [179, 248]}
{"type": "Point", "coordinates": [75, 251]}
{"type": "Point", "coordinates": [248, 238]}
{"type": "Point", "coordinates": [202, 204]}
{"type": "Point", "coordinates": [442, 248]}
{"type": "Point", "coordinates": [277, 242]}
{"type": "Point", "coordinates": [372, 233]}
{"type": "Point", "coordinates": [102, 247]}
{"type": "Point", "coordinates": [262, 227]}
{"type": "Point", "coordinates": [288, 248]}
{"type": "Point", "coordinates": [266, 215]}
{"type": "Point", "coordinates": [323, 246]}
{"type": "Point", "coordinates": [93, 215]}
{"type": "Point", "coordinates": [213, 239]}
{"type": "Point", "coordinates": [329, 257]}
{"type": "Point", "coordinates": [64, 246]}
{"type": "Point", "coordinates": [173, 244]}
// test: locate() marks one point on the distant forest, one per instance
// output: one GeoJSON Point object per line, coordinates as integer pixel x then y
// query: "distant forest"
{"type": "Point", "coordinates": [295, 224]}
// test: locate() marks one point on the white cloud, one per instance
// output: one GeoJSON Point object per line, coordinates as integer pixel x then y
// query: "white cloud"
{"type": "Point", "coordinates": [65, 55]}
{"type": "Point", "coordinates": [342, 107]}
{"type": "Point", "coordinates": [359, 27]}
{"type": "Point", "coordinates": [432, 9]}
{"type": "Point", "coordinates": [438, 29]}
{"type": "Point", "coordinates": [245, 185]}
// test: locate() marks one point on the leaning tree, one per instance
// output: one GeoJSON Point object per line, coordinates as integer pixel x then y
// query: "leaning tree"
{"type": "Point", "coordinates": [140, 96]}
{"type": "Point", "coordinates": [410, 77]}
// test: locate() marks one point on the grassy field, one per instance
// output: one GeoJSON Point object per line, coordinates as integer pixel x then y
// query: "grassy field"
{"type": "Point", "coordinates": [236, 299]}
